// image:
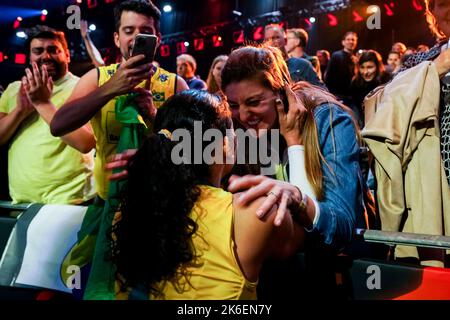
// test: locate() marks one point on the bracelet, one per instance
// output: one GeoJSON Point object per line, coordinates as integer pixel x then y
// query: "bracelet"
{"type": "Point", "coordinates": [301, 207]}
{"type": "Point", "coordinates": [304, 203]}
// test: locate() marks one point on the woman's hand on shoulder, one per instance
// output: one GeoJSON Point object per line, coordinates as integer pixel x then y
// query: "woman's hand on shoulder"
{"type": "Point", "coordinates": [277, 193]}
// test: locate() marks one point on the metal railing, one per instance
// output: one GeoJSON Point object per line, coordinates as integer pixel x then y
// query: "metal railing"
{"type": "Point", "coordinates": [404, 238]}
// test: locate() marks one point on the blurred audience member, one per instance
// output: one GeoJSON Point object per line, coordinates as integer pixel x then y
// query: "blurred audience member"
{"type": "Point", "coordinates": [186, 67]}
{"type": "Point", "coordinates": [341, 68]}
{"type": "Point", "coordinates": [214, 80]}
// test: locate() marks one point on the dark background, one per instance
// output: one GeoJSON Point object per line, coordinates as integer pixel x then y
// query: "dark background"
{"type": "Point", "coordinates": [205, 18]}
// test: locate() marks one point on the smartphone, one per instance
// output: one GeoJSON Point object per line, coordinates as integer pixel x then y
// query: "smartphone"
{"type": "Point", "coordinates": [284, 98]}
{"type": "Point", "coordinates": [145, 44]}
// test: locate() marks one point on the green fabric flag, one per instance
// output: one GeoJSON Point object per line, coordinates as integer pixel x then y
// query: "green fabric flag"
{"type": "Point", "coordinates": [94, 238]}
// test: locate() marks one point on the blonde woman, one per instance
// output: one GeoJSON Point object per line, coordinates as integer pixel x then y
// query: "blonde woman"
{"type": "Point", "coordinates": [321, 138]}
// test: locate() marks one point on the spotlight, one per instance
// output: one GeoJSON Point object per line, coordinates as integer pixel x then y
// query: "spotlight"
{"type": "Point", "coordinates": [312, 19]}
{"type": "Point", "coordinates": [237, 13]}
{"type": "Point", "coordinates": [92, 27]}
{"type": "Point", "coordinates": [167, 8]}
{"type": "Point", "coordinates": [79, 1]}
{"type": "Point", "coordinates": [19, 19]}
{"type": "Point", "coordinates": [21, 34]}
{"type": "Point", "coordinates": [373, 9]}
{"type": "Point", "coordinates": [44, 12]}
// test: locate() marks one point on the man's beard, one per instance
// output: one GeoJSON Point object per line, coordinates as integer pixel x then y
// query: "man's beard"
{"type": "Point", "coordinates": [55, 69]}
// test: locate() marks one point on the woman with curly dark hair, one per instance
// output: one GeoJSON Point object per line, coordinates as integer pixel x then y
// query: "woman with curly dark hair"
{"type": "Point", "coordinates": [180, 235]}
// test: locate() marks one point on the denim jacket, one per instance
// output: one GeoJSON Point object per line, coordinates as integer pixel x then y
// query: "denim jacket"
{"type": "Point", "coordinates": [342, 208]}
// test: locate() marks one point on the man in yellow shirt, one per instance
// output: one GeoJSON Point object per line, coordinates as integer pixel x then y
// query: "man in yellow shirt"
{"type": "Point", "coordinates": [42, 168]}
{"type": "Point", "coordinates": [95, 95]}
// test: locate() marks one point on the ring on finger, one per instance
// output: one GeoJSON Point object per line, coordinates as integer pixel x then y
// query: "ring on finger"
{"type": "Point", "coordinates": [272, 193]}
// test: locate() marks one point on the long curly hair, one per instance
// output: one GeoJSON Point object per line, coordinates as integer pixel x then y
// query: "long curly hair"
{"type": "Point", "coordinates": [431, 20]}
{"type": "Point", "coordinates": [153, 239]}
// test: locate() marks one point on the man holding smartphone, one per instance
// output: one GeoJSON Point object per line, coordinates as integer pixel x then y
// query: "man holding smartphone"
{"type": "Point", "coordinates": [95, 95]}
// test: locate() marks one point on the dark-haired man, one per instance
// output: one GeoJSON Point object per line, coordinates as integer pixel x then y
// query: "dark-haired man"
{"type": "Point", "coordinates": [341, 68]}
{"type": "Point", "coordinates": [42, 168]}
{"type": "Point", "coordinates": [94, 98]}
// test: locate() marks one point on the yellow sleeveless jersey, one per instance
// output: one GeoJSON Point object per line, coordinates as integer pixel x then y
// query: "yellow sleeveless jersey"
{"type": "Point", "coordinates": [107, 129]}
{"type": "Point", "coordinates": [218, 276]}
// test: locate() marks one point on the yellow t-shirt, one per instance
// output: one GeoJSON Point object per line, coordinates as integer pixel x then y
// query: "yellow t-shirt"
{"type": "Point", "coordinates": [41, 167]}
{"type": "Point", "coordinates": [219, 277]}
{"type": "Point", "coordinates": [107, 129]}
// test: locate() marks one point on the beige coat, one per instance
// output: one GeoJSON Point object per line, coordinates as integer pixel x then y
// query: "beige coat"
{"type": "Point", "coordinates": [404, 138]}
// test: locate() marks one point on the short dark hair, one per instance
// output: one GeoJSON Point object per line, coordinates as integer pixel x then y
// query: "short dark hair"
{"type": "Point", "coordinates": [144, 7]}
{"type": "Point", "coordinates": [44, 32]}
{"type": "Point", "coordinates": [349, 33]}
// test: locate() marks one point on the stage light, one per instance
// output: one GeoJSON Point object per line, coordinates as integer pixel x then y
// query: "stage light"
{"type": "Point", "coordinates": [79, 1]}
{"type": "Point", "coordinates": [308, 23]}
{"type": "Point", "coordinates": [17, 23]}
{"type": "Point", "coordinates": [21, 34]}
{"type": "Point", "coordinates": [258, 33]}
{"type": "Point", "coordinates": [44, 12]}
{"type": "Point", "coordinates": [312, 19]}
{"type": "Point", "coordinates": [417, 5]}
{"type": "Point", "coordinates": [1, 56]}
{"type": "Point", "coordinates": [332, 20]}
{"type": "Point", "coordinates": [217, 41]}
{"type": "Point", "coordinates": [199, 44]}
{"type": "Point", "coordinates": [165, 50]}
{"type": "Point", "coordinates": [357, 17]}
{"type": "Point", "coordinates": [167, 8]}
{"type": "Point", "coordinates": [389, 11]}
{"type": "Point", "coordinates": [92, 27]}
{"type": "Point", "coordinates": [20, 58]}
{"type": "Point", "coordinates": [374, 9]}
{"type": "Point", "coordinates": [238, 37]}
{"type": "Point", "coordinates": [186, 44]}
{"type": "Point", "coordinates": [43, 17]}
{"type": "Point", "coordinates": [91, 4]}
{"type": "Point", "coordinates": [181, 48]}
{"type": "Point", "coordinates": [237, 13]}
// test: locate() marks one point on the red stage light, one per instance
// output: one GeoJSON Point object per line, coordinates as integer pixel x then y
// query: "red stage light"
{"type": "Point", "coordinates": [217, 41]}
{"type": "Point", "coordinates": [91, 4]}
{"type": "Point", "coordinates": [258, 33]}
{"type": "Point", "coordinates": [238, 37]}
{"type": "Point", "coordinates": [308, 23]}
{"type": "Point", "coordinates": [109, 1]}
{"type": "Point", "coordinates": [332, 20]}
{"type": "Point", "coordinates": [417, 5]}
{"type": "Point", "coordinates": [165, 50]}
{"type": "Point", "coordinates": [389, 11]}
{"type": "Point", "coordinates": [16, 24]}
{"type": "Point", "coordinates": [181, 48]}
{"type": "Point", "coordinates": [43, 17]}
{"type": "Point", "coordinates": [199, 44]}
{"type": "Point", "coordinates": [357, 17]}
{"type": "Point", "coordinates": [1, 56]}
{"type": "Point", "coordinates": [20, 58]}
{"type": "Point", "coordinates": [283, 25]}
